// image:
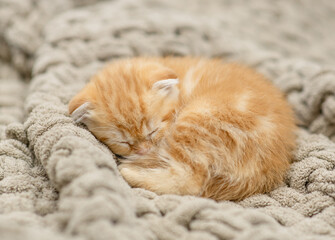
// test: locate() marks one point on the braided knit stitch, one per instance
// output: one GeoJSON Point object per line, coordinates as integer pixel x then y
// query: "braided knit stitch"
{"type": "Point", "coordinates": [58, 182]}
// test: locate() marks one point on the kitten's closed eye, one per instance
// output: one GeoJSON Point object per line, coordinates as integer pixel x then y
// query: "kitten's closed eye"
{"type": "Point", "coordinates": [124, 144]}
{"type": "Point", "coordinates": [153, 133]}
{"type": "Point", "coordinates": [120, 156]}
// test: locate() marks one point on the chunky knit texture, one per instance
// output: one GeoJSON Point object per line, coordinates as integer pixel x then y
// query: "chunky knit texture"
{"type": "Point", "coordinates": [58, 182]}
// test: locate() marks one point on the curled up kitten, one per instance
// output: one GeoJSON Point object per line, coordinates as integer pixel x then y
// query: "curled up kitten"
{"type": "Point", "coordinates": [190, 126]}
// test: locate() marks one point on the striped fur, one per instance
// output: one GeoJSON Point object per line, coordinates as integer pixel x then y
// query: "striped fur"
{"type": "Point", "coordinates": [190, 126]}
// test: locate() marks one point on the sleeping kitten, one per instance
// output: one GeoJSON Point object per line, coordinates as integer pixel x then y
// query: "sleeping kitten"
{"type": "Point", "coordinates": [190, 126]}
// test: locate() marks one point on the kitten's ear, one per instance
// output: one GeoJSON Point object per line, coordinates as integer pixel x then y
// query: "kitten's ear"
{"type": "Point", "coordinates": [167, 87]}
{"type": "Point", "coordinates": [81, 114]}
{"type": "Point", "coordinates": [79, 108]}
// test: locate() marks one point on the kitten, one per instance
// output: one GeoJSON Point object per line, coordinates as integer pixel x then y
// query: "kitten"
{"type": "Point", "coordinates": [190, 126]}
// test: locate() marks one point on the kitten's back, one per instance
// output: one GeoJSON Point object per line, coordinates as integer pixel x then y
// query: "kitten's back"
{"type": "Point", "coordinates": [238, 125]}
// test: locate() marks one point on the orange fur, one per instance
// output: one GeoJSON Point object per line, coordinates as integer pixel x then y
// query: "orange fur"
{"type": "Point", "coordinates": [223, 131]}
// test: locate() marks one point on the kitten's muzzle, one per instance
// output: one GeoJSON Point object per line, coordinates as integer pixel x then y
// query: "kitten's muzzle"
{"type": "Point", "coordinates": [143, 148]}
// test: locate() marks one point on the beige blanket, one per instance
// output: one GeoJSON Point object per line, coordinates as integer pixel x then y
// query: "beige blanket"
{"type": "Point", "coordinates": [58, 182]}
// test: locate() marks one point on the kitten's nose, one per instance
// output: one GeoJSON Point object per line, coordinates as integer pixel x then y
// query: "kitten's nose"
{"type": "Point", "coordinates": [143, 148]}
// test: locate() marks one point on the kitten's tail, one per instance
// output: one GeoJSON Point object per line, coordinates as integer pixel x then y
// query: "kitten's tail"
{"type": "Point", "coordinates": [221, 187]}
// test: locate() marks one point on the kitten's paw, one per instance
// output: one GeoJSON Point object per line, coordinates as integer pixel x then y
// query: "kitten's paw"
{"type": "Point", "coordinates": [160, 180]}
{"type": "Point", "coordinates": [131, 174]}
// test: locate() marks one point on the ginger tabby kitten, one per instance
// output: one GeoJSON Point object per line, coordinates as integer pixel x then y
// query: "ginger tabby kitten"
{"type": "Point", "coordinates": [190, 126]}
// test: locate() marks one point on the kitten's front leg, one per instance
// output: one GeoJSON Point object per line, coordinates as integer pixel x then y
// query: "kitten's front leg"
{"type": "Point", "coordinates": [174, 178]}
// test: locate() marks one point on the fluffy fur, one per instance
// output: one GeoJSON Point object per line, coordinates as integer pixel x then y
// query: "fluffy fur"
{"type": "Point", "coordinates": [190, 126]}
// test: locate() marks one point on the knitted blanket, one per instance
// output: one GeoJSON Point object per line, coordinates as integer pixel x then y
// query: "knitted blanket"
{"type": "Point", "coordinates": [58, 182]}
